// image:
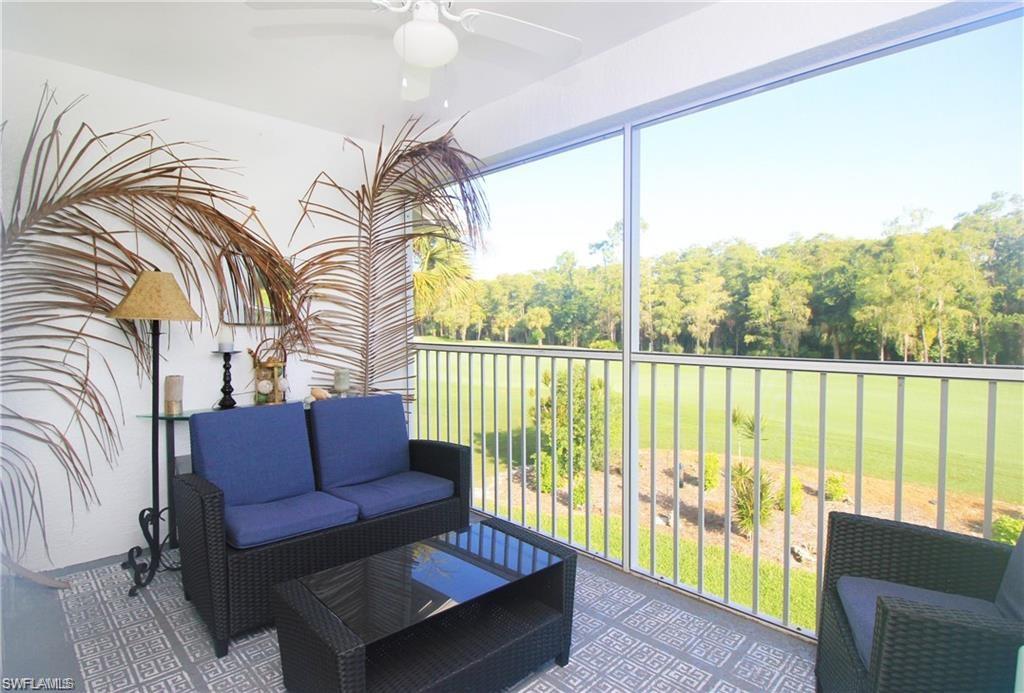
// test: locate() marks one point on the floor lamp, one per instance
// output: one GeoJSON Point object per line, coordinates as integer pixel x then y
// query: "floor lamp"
{"type": "Point", "coordinates": [154, 296]}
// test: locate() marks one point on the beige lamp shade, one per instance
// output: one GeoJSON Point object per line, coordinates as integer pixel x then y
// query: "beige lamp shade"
{"type": "Point", "coordinates": [154, 296]}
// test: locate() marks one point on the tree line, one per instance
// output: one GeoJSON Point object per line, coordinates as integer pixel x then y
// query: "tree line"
{"type": "Point", "coordinates": [917, 294]}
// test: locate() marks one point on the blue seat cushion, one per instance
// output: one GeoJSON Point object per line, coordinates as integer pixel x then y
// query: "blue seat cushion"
{"type": "Point", "coordinates": [357, 439]}
{"type": "Point", "coordinates": [254, 454]}
{"type": "Point", "coordinates": [1010, 598]}
{"type": "Point", "coordinates": [859, 597]}
{"type": "Point", "coordinates": [395, 492]}
{"type": "Point", "coordinates": [264, 523]}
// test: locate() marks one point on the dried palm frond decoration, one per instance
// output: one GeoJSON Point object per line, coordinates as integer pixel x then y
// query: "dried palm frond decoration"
{"type": "Point", "coordinates": [357, 282]}
{"type": "Point", "coordinates": [82, 208]}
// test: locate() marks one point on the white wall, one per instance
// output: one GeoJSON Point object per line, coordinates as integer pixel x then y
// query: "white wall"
{"type": "Point", "coordinates": [277, 160]}
{"type": "Point", "coordinates": [719, 49]}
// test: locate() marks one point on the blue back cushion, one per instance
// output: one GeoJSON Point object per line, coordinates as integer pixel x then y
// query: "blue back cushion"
{"type": "Point", "coordinates": [357, 439]}
{"type": "Point", "coordinates": [1010, 598]}
{"type": "Point", "coordinates": [254, 454]}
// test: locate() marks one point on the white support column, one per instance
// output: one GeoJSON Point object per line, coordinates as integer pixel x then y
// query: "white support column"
{"type": "Point", "coordinates": [630, 341]}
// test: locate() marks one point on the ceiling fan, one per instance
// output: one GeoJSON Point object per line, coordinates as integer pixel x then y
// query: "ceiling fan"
{"type": "Point", "coordinates": [426, 41]}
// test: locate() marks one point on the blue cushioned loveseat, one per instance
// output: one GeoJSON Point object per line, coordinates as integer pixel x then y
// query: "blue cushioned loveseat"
{"type": "Point", "coordinates": [278, 492]}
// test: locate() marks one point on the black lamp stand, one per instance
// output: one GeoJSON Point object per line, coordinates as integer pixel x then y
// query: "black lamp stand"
{"type": "Point", "coordinates": [149, 518]}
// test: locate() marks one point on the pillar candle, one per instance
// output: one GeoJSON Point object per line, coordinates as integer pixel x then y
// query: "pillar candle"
{"type": "Point", "coordinates": [174, 386]}
{"type": "Point", "coordinates": [225, 339]}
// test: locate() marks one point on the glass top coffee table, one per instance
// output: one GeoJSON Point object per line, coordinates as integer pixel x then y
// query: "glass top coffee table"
{"type": "Point", "coordinates": [475, 609]}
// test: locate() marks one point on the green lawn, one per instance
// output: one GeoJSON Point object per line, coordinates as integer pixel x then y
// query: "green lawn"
{"type": "Point", "coordinates": [967, 418]}
{"type": "Point", "coordinates": [741, 568]}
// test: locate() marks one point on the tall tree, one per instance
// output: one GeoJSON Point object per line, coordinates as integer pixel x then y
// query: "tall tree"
{"type": "Point", "coordinates": [537, 319]}
{"type": "Point", "coordinates": [442, 270]}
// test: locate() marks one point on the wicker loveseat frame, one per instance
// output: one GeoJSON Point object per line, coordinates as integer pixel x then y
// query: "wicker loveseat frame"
{"type": "Point", "coordinates": [231, 588]}
{"type": "Point", "coordinates": [915, 647]}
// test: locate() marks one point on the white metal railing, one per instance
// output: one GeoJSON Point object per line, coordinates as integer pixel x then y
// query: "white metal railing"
{"type": "Point", "coordinates": [459, 398]}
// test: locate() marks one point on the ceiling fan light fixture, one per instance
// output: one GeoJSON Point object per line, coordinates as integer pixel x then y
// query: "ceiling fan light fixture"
{"type": "Point", "coordinates": [426, 43]}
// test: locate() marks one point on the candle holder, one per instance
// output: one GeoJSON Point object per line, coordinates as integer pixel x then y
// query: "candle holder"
{"type": "Point", "coordinates": [227, 401]}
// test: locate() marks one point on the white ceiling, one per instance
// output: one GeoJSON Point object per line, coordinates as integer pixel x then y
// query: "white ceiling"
{"type": "Point", "coordinates": [331, 66]}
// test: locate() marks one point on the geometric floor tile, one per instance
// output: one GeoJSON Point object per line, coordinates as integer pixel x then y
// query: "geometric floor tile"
{"type": "Point", "coordinates": [624, 639]}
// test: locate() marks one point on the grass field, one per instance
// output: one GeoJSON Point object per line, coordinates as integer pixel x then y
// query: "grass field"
{"type": "Point", "coordinates": [966, 433]}
{"type": "Point", "coordinates": [741, 568]}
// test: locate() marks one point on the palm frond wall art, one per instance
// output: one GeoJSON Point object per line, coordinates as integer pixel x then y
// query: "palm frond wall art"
{"type": "Point", "coordinates": [357, 281]}
{"type": "Point", "coordinates": [88, 213]}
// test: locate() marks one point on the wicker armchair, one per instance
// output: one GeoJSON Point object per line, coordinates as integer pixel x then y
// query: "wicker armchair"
{"type": "Point", "coordinates": [915, 646]}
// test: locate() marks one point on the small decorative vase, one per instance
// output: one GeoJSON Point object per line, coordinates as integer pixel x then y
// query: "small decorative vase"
{"type": "Point", "coordinates": [174, 386]}
{"type": "Point", "coordinates": [342, 382]}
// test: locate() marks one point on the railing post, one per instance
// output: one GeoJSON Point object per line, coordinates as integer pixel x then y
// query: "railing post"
{"type": "Point", "coordinates": [727, 560]}
{"type": "Point", "coordinates": [901, 398]}
{"type": "Point", "coordinates": [701, 472]}
{"type": "Point", "coordinates": [990, 460]}
{"type": "Point", "coordinates": [940, 502]}
{"type": "Point", "coordinates": [756, 569]}
{"type": "Point", "coordinates": [787, 529]}
{"type": "Point", "coordinates": [822, 419]}
{"type": "Point", "coordinates": [675, 474]}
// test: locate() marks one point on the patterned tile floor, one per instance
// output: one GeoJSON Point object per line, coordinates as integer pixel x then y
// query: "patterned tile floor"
{"type": "Point", "coordinates": [628, 635]}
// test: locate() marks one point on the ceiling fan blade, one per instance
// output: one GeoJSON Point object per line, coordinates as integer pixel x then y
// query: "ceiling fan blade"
{"type": "Point", "coordinates": [518, 32]}
{"type": "Point", "coordinates": [415, 82]}
{"type": "Point", "coordinates": [360, 5]}
{"type": "Point", "coordinates": [306, 30]}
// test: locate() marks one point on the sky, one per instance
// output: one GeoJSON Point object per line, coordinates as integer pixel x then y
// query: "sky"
{"type": "Point", "coordinates": [936, 127]}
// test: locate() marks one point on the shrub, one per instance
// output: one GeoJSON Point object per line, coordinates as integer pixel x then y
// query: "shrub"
{"type": "Point", "coordinates": [835, 487]}
{"type": "Point", "coordinates": [1006, 529]}
{"type": "Point", "coordinates": [579, 420]}
{"type": "Point", "coordinates": [606, 344]}
{"type": "Point", "coordinates": [796, 497]}
{"type": "Point", "coordinates": [746, 424]}
{"type": "Point", "coordinates": [545, 471]}
{"type": "Point", "coordinates": [743, 498]}
{"type": "Point", "coordinates": [712, 470]}
{"type": "Point", "coordinates": [579, 491]}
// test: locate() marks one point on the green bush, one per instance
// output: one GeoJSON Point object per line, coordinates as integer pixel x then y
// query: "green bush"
{"type": "Point", "coordinates": [743, 499]}
{"type": "Point", "coordinates": [545, 472]}
{"type": "Point", "coordinates": [712, 470]}
{"type": "Point", "coordinates": [746, 424]}
{"type": "Point", "coordinates": [1006, 529]}
{"type": "Point", "coordinates": [796, 497]}
{"type": "Point", "coordinates": [579, 419]}
{"type": "Point", "coordinates": [605, 344]}
{"type": "Point", "coordinates": [579, 491]}
{"type": "Point", "coordinates": [835, 487]}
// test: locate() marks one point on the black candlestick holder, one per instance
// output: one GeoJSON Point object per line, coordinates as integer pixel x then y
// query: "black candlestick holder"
{"type": "Point", "coordinates": [227, 401]}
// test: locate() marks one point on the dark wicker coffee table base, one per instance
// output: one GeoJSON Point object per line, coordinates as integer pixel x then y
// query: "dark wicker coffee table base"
{"type": "Point", "coordinates": [485, 646]}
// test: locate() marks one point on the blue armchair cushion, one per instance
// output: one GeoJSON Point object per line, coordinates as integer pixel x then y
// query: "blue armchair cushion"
{"type": "Point", "coordinates": [1010, 597]}
{"type": "Point", "coordinates": [253, 454]}
{"type": "Point", "coordinates": [263, 523]}
{"type": "Point", "coordinates": [395, 492]}
{"type": "Point", "coordinates": [358, 439]}
{"type": "Point", "coordinates": [859, 597]}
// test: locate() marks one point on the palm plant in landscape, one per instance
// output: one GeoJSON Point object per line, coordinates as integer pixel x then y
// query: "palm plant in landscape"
{"type": "Point", "coordinates": [67, 262]}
